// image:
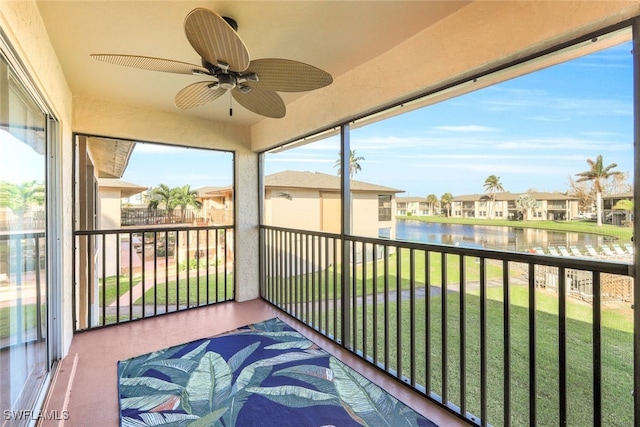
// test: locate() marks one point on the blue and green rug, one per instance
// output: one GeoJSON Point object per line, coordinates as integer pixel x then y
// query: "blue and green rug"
{"type": "Point", "coordinates": [265, 374]}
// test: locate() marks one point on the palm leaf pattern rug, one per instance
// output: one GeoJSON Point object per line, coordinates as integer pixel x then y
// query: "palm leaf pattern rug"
{"type": "Point", "coordinates": [265, 374]}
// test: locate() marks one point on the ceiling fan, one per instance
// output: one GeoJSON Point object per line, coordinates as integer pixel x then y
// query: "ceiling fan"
{"type": "Point", "coordinates": [225, 59]}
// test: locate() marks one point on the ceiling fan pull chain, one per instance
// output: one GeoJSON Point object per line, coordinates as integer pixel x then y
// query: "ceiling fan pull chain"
{"type": "Point", "coordinates": [230, 106]}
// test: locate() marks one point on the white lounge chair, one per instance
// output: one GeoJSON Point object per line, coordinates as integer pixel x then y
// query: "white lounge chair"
{"type": "Point", "coordinates": [629, 248]}
{"type": "Point", "coordinates": [591, 250]}
{"type": "Point", "coordinates": [564, 251]}
{"type": "Point", "coordinates": [575, 251]}
{"type": "Point", "coordinates": [619, 250]}
{"type": "Point", "coordinates": [553, 251]}
{"type": "Point", "coordinates": [538, 250]}
{"type": "Point", "coordinates": [607, 250]}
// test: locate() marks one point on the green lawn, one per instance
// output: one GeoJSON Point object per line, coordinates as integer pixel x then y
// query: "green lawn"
{"type": "Point", "coordinates": [113, 290]}
{"type": "Point", "coordinates": [617, 355]}
{"type": "Point", "coordinates": [622, 233]}
{"type": "Point", "coordinates": [8, 319]}
{"type": "Point", "coordinates": [167, 292]}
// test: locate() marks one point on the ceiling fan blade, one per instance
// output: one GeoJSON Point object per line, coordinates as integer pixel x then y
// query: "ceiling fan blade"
{"type": "Point", "coordinates": [198, 94]}
{"type": "Point", "coordinates": [150, 63]}
{"type": "Point", "coordinates": [215, 40]}
{"type": "Point", "coordinates": [285, 75]}
{"type": "Point", "coordinates": [264, 102]}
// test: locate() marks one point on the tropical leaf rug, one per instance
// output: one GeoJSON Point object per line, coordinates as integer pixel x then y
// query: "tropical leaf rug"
{"type": "Point", "coordinates": [265, 374]}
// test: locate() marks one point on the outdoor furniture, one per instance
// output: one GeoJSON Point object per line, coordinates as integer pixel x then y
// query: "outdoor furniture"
{"type": "Point", "coordinates": [591, 250]}
{"type": "Point", "coordinates": [607, 250]}
{"type": "Point", "coordinates": [629, 248]}
{"type": "Point", "coordinates": [575, 251]}
{"type": "Point", "coordinates": [553, 251]}
{"type": "Point", "coordinates": [564, 251]}
{"type": "Point", "coordinates": [538, 250]}
{"type": "Point", "coordinates": [619, 250]}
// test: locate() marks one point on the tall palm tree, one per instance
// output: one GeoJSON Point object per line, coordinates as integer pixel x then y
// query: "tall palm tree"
{"type": "Point", "coordinates": [432, 200]}
{"type": "Point", "coordinates": [492, 185]}
{"type": "Point", "coordinates": [598, 174]}
{"type": "Point", "coordinates": [447, 199]}
{"type": "Point", "coordinates": [184, 196]}
{"type": "Point", "coordinates": [354, 165]}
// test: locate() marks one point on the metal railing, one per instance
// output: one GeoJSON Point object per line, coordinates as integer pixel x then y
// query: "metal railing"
{"type": "Point", "coordinates": [124, 275]}
{"type": "Point", "coordinates": [22, 282]}
{"type": "Point", "coordinates": [496, 337]}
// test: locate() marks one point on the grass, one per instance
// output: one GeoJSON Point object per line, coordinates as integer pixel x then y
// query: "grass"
{"type": "Point", "coordinates": [617, 354]}
{"type": "Point", "coordinates": [113, 290]}
{"type": "Point", "coordinates": [187, 293]}
{"type": "Point", "coordinates": [9, 317]}
{"type": "Point", "coordinates": [622, 233]}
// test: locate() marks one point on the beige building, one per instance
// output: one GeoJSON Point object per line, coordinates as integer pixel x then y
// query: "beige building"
{"type": "Point", "coordinates": [217, 205]}
{"type": "Point", "coordinates": [412, 206]}
{"type": "Point", "coordinates": [311, 201]}
{"type": "Point", "coordinates": [550, 206]}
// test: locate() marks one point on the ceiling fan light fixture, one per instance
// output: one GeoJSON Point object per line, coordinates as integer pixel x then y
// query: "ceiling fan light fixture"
{"type": "Point", "coordinates": [227, 81]}
{"type": "Point", "coordinates": [244, 89]}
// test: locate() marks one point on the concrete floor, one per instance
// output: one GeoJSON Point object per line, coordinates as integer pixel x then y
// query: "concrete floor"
{"type": "Point", "coordinates": [85, 385]}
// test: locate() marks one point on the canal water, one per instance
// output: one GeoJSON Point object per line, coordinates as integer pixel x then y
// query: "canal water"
{"type": "Point", "coordinates": [492, 237]}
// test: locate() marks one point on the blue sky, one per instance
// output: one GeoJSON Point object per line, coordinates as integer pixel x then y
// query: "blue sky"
{"type": "Point", "coordinates": [533, 132]}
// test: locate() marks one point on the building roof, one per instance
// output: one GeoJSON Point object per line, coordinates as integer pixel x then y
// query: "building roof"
{"type": "Point", "coordinates": [411, 199]}
{"type": "Point", "coordinates": [127, 189]}
{"type": "Point", "coordinates": [212, 191]}
{"type": "Point", "coordinates": [322, 181]}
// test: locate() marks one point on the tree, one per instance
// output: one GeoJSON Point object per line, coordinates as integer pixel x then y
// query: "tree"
{"type": "Point", "coordinates": [598, 173]}
{"type": "Point", "coordinates": [583, 193]}
{"type": "Point", "coordinates": [492, 185]}
{"type": "Point", "coordinates": [354, 165]}
{"type": "Point", "coordinates": [432, 201]}
{"type": "Point", "coordinates": [524, 204]}
{"type": "Point", "coordinates": [19, 197]}
{"type": "Point", "coordinates": [162, 195]}
{"type": "Point", "coordinates": [184, 196]}
{"type": "Point", "coordinates": [446, 200]}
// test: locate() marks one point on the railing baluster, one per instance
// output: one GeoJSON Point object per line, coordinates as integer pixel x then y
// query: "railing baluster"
{"type": "Point", "coordinates": [463, 335]}
{"type": "Point", "coordinates": [562, 345]}
{"type": "Point", "coordinates": [507, 342]}
{"type": "Point", "coordinates": [386, 308]}
{"type": "Point", "coordinates": [364, 300]}
{"type": "Point", "coordinates": [130, 276]}
{"type": "Point", "coordinates": [427, 321]}
{"type": "Point", "coordinates": [399, 313]}
{"type": "Point", "coordinates": [443, 329]}
{"type": "Point", "coordinates": [374, 293]}
{"type": "Point", "coordinates": [313, 284]}
{"type": "Point", "coordinates": [354, 297]}
{"type": "Point", "coordinates": [597, 351]}
{"type": "Point", "coordinates": [412, 318]}
{"type": "Point", "coordinates": [532, 346]}
{"type": "Point", "coordinates": [483, 342]}
{"type": "Point", "coordinates": [155, 273]}
{"type": "Point", "coordinates": [176, 253]}
{"type": "Point", "coordinates": [104, 279]}
{"type": "Point", "coordinates": [143, 261]}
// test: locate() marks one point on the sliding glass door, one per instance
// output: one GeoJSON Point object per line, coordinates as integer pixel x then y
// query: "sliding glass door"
{"type": "Point", "coordinates": [24, 355]}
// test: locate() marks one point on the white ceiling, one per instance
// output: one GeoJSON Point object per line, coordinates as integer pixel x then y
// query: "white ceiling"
{"type": "Point", "coordinates": [333, 35]}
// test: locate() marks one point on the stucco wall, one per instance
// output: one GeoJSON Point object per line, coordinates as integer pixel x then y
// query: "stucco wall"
{"type": "Point", "coordinates": [302, 211]}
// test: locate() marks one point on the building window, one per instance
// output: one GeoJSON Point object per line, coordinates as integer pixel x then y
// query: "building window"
{"type": "Point", "coordinates": [384, 207]}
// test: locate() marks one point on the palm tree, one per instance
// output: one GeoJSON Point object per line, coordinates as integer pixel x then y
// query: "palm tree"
{"type": "Point", "coordinates": [354, 165]}
{"type": "Point", "coordinates": [446, 199]}
{"type": "Point", "coordinates": [184, 196]}
{"type": "Point", "coordinates": [432, 200]}
{"type": "Point", "coordinates": [162, 195]}
{"type": "Point", "coordinates": [598, 173]}
{"type": "Point", "coordinates": [492, 185]}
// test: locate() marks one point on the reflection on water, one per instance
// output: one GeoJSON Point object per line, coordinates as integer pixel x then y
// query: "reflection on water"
{"type": "Point", "coordinates": [492, 237]}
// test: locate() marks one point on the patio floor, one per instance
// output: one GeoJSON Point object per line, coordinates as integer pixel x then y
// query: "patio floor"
{"type": "Point", "coordinates": [86, 383]}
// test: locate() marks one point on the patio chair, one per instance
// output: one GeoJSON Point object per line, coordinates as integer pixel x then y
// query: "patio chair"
{"type": "Point", "coordinates": [553, 251]}
{"type": "Point", "coordinates": [591, 250]}
{"type": "Point", "coordinates": [563, 251]}
{"type": "Point", "coordinates": [607, 250]}
{"type": "Point", "coordinates": [619, 250]}
{"type": "Point", "coordinates": [629, 248]}
{"type": "Point", "coordinates": [575, 251]}
{"type": "Point", "coordinates": [538, 250]}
